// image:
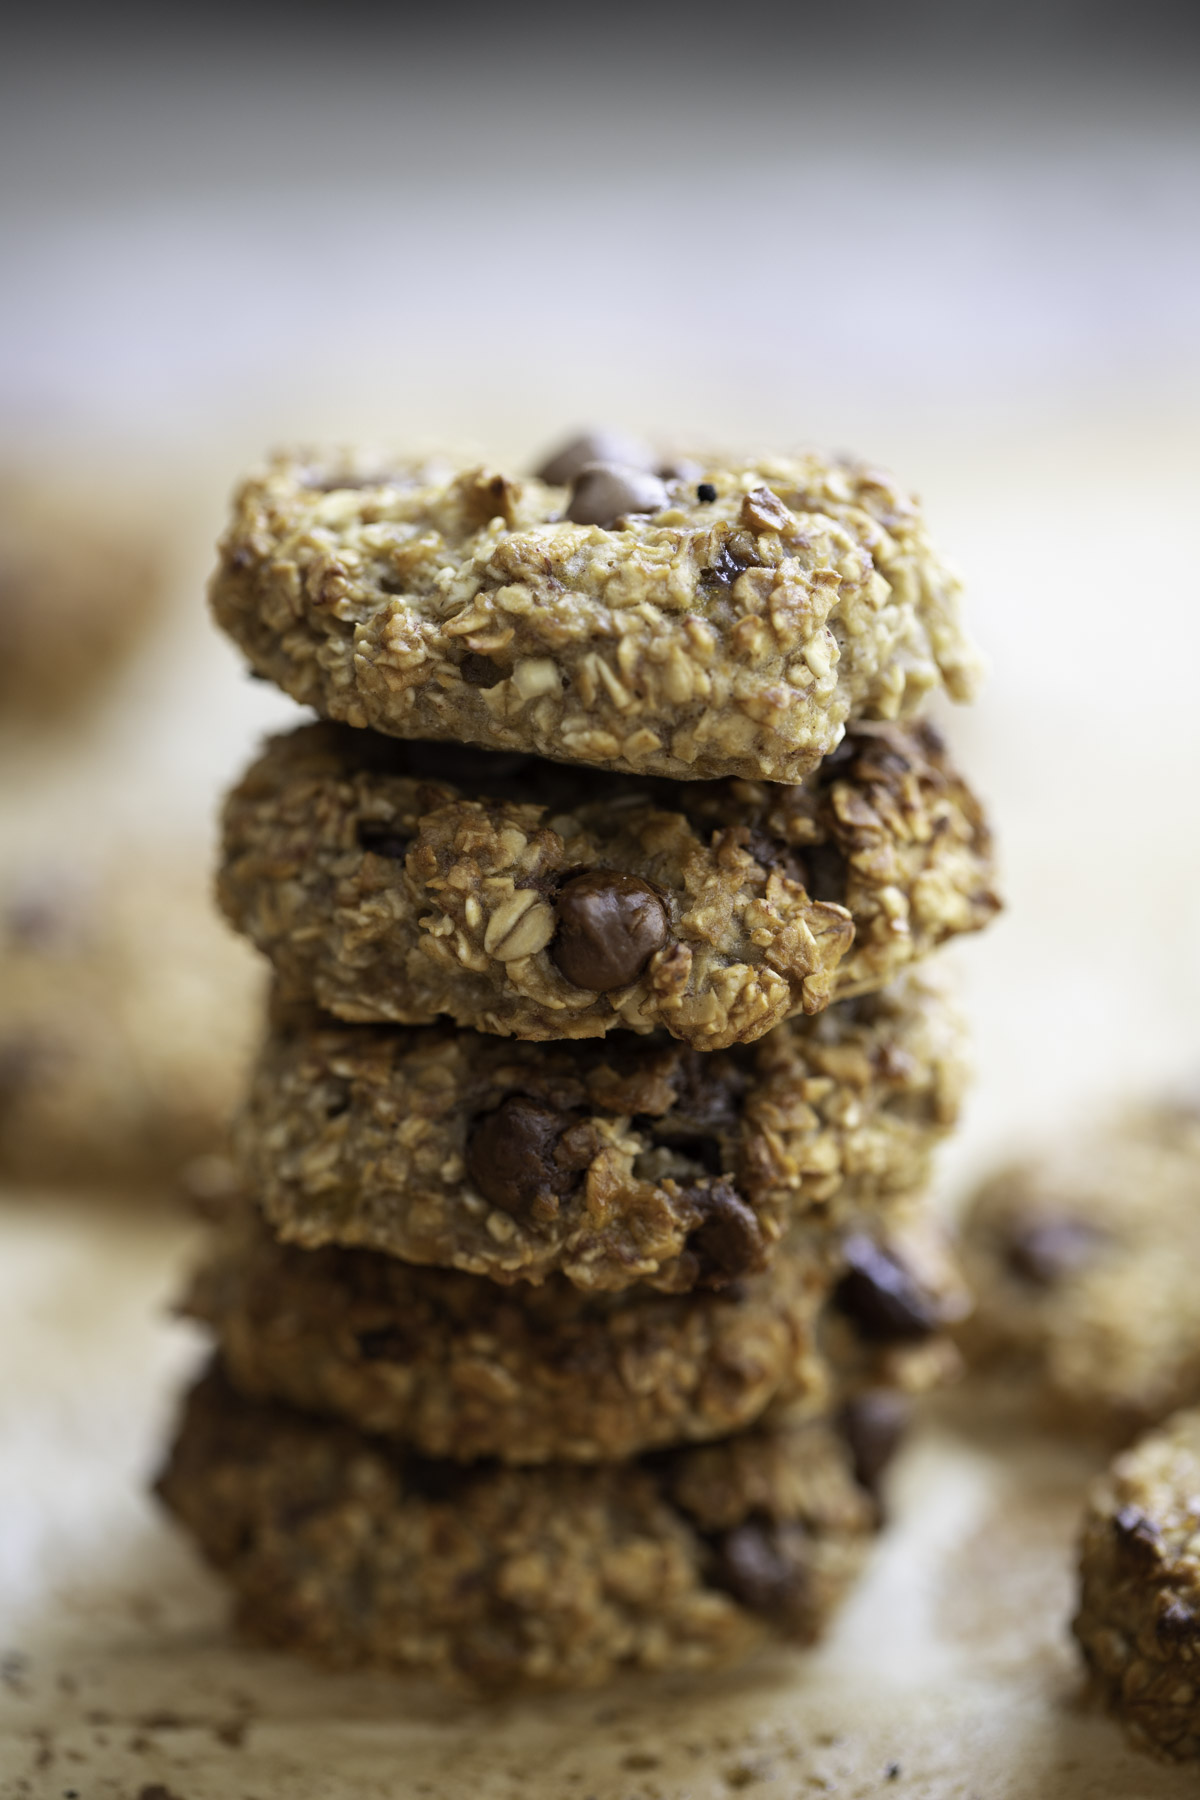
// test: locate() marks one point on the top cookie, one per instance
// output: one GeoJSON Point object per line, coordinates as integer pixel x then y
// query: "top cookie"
{"type": "Point", "coordinates": [730, 623]}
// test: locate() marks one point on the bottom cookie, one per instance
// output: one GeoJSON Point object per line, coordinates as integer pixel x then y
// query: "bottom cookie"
{"type": "Point", "coordinates": [348, 1549]}
{"type": "Point", "coordinates": [1139, 1614]}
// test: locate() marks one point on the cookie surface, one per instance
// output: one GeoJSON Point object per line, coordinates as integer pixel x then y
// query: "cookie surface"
{"type": "Point", "coordinates": [128, 1017]}
{"type": "Point", "coordinates": [1138, 1622]}
{"type": "Point", "coordinates": [728, 635]}
{"type": "Point", "coordinates": [1083, 1267]}
{"type": "Point", "coordinates": [354, 1552]}
{"type": "Point", "coordinates": [393, 881]}
{"type": "Point", "coordinates": [632, 1159]}
{"type": "Point", "coordinates": [460, 1367]}
{"type": "Point", "coordinates": [77, 589]}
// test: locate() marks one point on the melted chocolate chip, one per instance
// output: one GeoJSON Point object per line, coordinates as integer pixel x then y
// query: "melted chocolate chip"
{"type": "Point", "coordinates": [1137, 1536]}
{"type": "Point", "coordinates": [609, 926]}
{"type": "Point", "coordinates": [724, 570]}
{"type": "Point", "coordinates": [728, 1241]}
{"type": "Point", "coordinates": [382, 840]}
{"type": "Point", "coordinates": [605, 492]}
{"type": "Point", "coordinates": [752, 1562]}
{"type": "Point", "coordinates": [773, 853]}
{"type": "Point", "coordinates": [524, 1153]}
{"type": "Point", "coordinates": [881, 1296]}
{"type": "Point", "coordinates": [1048, 1248]}
{"type": "Point", "coordinates": [826, 872]}
{"type": "Point", "coordinates": [561, 469]}
{"type": "Point", "coordinates": [873, 1425]}
{"type": "Point", "coordinates": [480, 671]}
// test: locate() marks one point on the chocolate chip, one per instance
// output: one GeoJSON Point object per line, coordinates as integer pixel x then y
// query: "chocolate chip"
{"type": "Point", "coordinates": [758, 1563]}
{"type": "Point", "coordinates": [1137, 1536]}
{"type": "Point", "coordinates": [881, 1296]}
{"type": "Point", "coordinates": [389, 1343]}
{"type": "Point", "coordinates": [706, 493]}
{"type": "Point", "coordinates": [513, 1155]}
{"type": "Point", "coordinates": [480, 671]}
{"type": "Point", "coordinates": [382, 840]}
{"type": "Point", "coordinates": [609, 926]}
{"type": "Point", "coordinates": [724, 570]}
{"type": "Point", "coordinates": [728, 1241]}
{"type": "Point", "coordinates": [561, 469]}
{"type": "Point", "coordinates": [873, 1424]}
{"type": "Point", "coordinates": [605, 491]}
{"type": "Point", "coordinates": [1048, 1248]}
{"type": "Point", "coordinates": [826, 872]}
{"type": "Point", "coordinates": [1176, 1623]}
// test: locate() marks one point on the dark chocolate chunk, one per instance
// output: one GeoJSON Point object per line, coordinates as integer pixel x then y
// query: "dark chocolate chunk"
{"type": "Point", "coordinates": [512, 1155]}
{"type": "Point", "coordinates": [605, 491]}
{"type": "Point", "coordinates": [758, 1562]}
{"type": "Point", "coordinates": [382, 840]}
{"type": "Point", "coordinates": [728, 1241]}
{"type": "Point", "coordinates": [1046, 1248]}
{"type": "Point", "coordinates": [561, 469]}
{"type": "Point", "coordinates": [609, 926]}
{"type": "Point", "coordinates": [1176, 1623]}
{"type": "Point", "coordinates": [480, 671]}
{"type": "Point", "coordinates": [873, 1424]}
{"type": "Point", "coordinates": [882, 1296]}
{"type": "Point", "coordinates": [388, 1343]}
{"type": "Point", "coordinates": [1137, 1536]}
{"type": "Point", "coordinates": [706, 493]}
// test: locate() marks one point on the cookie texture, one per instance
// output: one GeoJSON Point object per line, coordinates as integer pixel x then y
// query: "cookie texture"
{"type": "Point", "coordinates": [392, 881]}
{"type": "Point", "coordinates": [625, 1160]}
{"type": "Point", "coordinates": [1138, 1622]}
{"type": "Point", "coordinates": [1083, 1266]}
{"type": "Point", "coordinates": [730, 634]}
{"type": "Point", "coordinates": [128, 1019]}
{"type": "Point", "coordinates": [78, 587]}
{"type": "Point", "coordinates": [355, 1552]}
{"type": "Point", "coordinates": [461, 1367]}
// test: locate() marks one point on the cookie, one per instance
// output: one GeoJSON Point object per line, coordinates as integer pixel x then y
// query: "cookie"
{"type": "Point", "coordinates": [354, 1551]}
{"type": "Point", "coordinates": [1138, 1622]}
{"type": "Point", "coordinates": [127, 1024]}
{"type": "Point", "coordinates": [1083, 1267]}
{"type": "Point", "coordinates": [77, 589]}
{"type": "Point", "coordinates": [393, 881]}
{"type": "Point", "coordinates": [460, 1367]}
{"type": "Point", "coordinates": [730, 625]}
{"type": "Point", "coordinates": [624, 1160]}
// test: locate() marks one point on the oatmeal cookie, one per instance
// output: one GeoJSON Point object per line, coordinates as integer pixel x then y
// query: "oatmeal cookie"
{"type": "Point", "coordinates": [730, 625]}
{"type": "Point", "coordinates": [394, 881]}
{"type": "Point", "coordinates": [1084, 1270]}
{"type": "Point", "coordinates": [461, 1367]}
{"type": "Point", "coordinates": [128, 1018]}
{"type": "Point", "coordinates": [624, 1160]}
{"type": "Point", "coordinates": [77, 589]}
{"type": "Point", "coordinates": [1139, 1611]}
{"type": "Point", "coordinates": [355, 1552]}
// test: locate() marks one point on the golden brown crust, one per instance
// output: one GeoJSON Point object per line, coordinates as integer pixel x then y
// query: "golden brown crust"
{"type": "Point", "coordinates": [1138, 1622]}
{"type": "Point", "coordinates": [346, 1549]}
{"type": "Point", "coordinates": [727, 637]}
{"type": "Point", "coordinates": [628, 1160]}
{"type": "Point", "coordinates": [397, 882]}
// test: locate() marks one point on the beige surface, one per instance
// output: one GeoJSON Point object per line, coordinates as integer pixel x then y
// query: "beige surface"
{"type": "Point", "coordinates": [1005, 307]}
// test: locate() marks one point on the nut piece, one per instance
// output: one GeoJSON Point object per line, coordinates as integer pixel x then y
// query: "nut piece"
{"type": "Point", "coordinates": [609, 926]}
{"type": "Point", "coordinates": [561, 469]}
{"type": "Point", "coordinates": [511, 1155]}
{"type": "Point", "coordinates": [604, 491]}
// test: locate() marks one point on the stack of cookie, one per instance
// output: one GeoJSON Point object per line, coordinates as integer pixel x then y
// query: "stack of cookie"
{"type": "Point", "coordinates": [588, 1267]}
